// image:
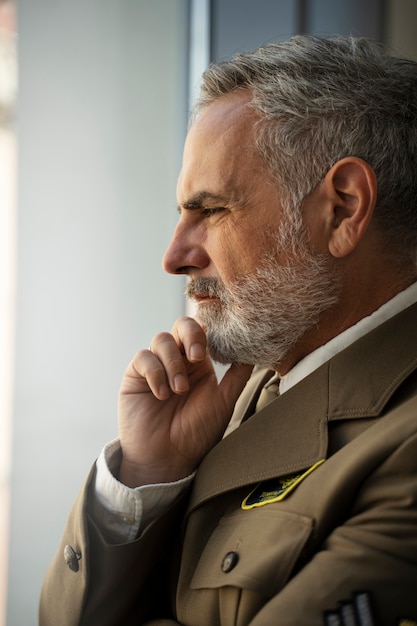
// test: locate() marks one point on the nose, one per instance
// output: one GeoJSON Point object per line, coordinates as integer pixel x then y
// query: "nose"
{"type": "Point", "coordinates": [185, 252]}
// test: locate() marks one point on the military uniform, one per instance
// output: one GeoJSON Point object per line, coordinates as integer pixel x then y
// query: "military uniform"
{"type": "Point", "coordinates": [307, 508]}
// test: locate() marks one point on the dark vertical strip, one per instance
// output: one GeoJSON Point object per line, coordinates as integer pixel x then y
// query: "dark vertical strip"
{"type": "Point", "coordinates": [302, 17]}
{"type": "Point", "coordinates": [188, 53]}
{"type": "Point", "coordinates": [212, 30]}
{"type": "Point", "coordinates": [382, 21]}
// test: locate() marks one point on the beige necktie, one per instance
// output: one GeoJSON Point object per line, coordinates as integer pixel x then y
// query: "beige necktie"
{"type": "Point", "coordinates": [269, 393]}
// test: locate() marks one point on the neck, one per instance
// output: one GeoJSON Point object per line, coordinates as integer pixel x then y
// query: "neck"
{"type": "Point", "coordinates": [348, 311]}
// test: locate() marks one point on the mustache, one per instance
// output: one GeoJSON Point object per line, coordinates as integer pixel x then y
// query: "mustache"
{"type": "Point", "coordinates": [209, 287]}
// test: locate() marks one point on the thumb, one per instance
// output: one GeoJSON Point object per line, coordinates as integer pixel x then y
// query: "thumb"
{"type": "Point", "coordinates": [233, 382]}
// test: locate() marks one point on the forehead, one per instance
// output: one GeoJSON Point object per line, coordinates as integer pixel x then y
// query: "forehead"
{"type": "Point", "coordinates": [232, 111]}
{"type": "Point", "coordinates": [220, 147]}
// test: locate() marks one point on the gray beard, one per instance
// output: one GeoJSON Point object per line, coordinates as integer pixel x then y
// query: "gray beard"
{"type": "Point", "coordinates": [261, 317]}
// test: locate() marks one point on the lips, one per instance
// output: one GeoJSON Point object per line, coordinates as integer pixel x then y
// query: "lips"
{"type": "Point", "coordinates": [204, 298]}
{"type": "Point", "coordinates": [204, 290]}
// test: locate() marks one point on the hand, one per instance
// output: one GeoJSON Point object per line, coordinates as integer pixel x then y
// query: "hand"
{"type": "Point", "coordinates": [172, 410]}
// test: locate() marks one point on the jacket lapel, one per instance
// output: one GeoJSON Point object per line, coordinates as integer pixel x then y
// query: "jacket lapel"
{"type": "Point", "coordinates": [384, 358]}
{"type": "Point", "coordinates": [291, 433]}
{"type": "Point", "coordinates": [269, 443]}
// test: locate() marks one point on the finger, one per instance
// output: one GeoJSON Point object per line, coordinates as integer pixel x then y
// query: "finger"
{"type": "Point", "coordinates": [171, 357]}
{"type": "Point", "coordinates": [191, 338]}
{"type": "Point", "coordinates": [146, 373]}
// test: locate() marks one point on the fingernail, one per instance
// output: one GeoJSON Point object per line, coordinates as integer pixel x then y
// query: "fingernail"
{"type": "Point", "coordinates": [180, 383]}
{"type": "Point", "coordinates": [197, 352]}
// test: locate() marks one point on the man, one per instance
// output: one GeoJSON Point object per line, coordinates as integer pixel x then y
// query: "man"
{"type": "Point", "coordinates": [297, 231]}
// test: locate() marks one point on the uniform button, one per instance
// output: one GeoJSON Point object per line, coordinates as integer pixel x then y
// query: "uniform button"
{"type": "Point", "coordinates": [71, 558]}
{"type": "Point", "coordinates": [229, 561]}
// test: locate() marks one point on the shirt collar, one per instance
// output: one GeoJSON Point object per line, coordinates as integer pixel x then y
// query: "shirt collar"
{"type": "Point", "coordinates": [319, 356]}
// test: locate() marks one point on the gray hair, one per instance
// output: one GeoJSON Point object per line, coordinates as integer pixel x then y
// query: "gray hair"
{"type": "Point", "coordinates": [324, 99]}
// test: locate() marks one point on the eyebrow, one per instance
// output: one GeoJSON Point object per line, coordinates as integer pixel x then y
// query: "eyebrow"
{"type": "Point", "coordinates": [200, 200]}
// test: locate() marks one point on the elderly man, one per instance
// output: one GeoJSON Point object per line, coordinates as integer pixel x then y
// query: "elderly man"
{"type": "Point", "coordinates": [291, 499]}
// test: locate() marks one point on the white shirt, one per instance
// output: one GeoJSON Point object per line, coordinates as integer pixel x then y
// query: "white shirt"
{"type": "Point", "coordinates": [120, 511]}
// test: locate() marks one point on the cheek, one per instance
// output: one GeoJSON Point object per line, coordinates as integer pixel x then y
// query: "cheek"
{"type": "Point", "coordinates": [235, 256]}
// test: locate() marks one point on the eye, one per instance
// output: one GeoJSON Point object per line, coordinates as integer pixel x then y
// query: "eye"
{"type": "Point", "coordinates": [209, 211]}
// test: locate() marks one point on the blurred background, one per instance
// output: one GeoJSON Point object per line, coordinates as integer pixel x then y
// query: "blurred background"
{"type": "Point", "coordinates": [94, 99]}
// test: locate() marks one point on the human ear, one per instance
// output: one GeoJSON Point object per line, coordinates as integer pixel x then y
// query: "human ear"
{"type": "Point", "coordinates": [352, 189]}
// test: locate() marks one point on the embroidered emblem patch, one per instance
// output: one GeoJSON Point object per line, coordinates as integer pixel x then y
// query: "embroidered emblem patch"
{"type": "Point", "coordinates": [276, 489]}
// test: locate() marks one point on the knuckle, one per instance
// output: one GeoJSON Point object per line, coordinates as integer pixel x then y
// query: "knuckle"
{"type": "Point", "coordinates": [174, 363]}
{"type": "Point", "coordinates": [141, 355]}
{"type": "Point", "coordinates": [145, 361]}
{"type": "Point", "coordinates": [160, 339]}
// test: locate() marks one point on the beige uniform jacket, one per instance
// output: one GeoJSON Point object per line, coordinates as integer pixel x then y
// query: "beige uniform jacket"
{"type": "Point", "coordinates": [305, 543]}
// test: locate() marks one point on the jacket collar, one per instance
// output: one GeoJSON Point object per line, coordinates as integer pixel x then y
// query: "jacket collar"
{"type": "Point", "coordinates": [290, 434]}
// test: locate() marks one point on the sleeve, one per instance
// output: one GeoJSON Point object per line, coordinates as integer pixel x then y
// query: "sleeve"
{"type": "Point", "coordinates": [120, 512]}
{"type": "Point", "coordinates": [93, 581]}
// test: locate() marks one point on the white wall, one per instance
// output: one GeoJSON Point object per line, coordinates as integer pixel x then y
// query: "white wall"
{"type": "Point", "coordinates": [101, 121]}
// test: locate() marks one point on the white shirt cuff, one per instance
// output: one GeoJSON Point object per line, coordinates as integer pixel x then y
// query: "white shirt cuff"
{"type": "Point", "coordinates": [121, 512]}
